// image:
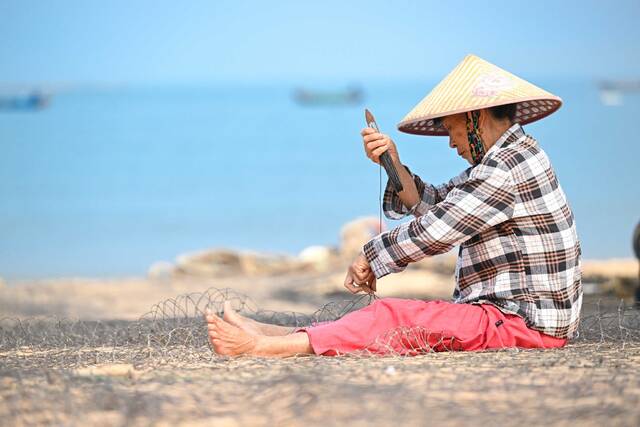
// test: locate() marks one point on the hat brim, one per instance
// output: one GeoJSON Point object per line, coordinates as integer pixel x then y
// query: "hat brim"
{"type": "Point", "coordinates": [528, 110]}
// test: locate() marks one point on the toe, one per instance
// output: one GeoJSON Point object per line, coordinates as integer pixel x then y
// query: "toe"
{"type": "Point", "coordinates": [227, 306]}
{"type": "Point", "coordinates": [214, 319]}
{"type": "Point", "coordinates": [230, 314]}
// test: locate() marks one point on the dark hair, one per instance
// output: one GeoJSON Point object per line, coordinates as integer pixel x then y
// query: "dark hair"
{"type": "Point", "coordinates": [507, 111]}
{"type": "Point", "coordinates": [500, 112]}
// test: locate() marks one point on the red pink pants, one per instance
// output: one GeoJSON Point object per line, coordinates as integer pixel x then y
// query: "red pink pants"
{"type": "Point", "coordinates": [407, 326]}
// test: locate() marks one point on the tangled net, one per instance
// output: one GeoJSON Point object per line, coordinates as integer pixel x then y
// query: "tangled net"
{"type": "Point", "coordinates": [175, 327]}
{"type": "Point", "coordinates": [53, 352]}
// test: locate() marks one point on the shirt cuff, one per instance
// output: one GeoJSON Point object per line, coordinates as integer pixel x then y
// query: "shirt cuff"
{"type": "Point", "coordinates": [394, 207]}
{"type": "Point", "coordinates": [379, 268]}
{"type": "Point", "coordinates": [416, 210]}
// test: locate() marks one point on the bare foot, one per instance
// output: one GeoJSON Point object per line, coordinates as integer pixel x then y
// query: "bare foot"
{"type": "Point", "coordinates": [229, 340]}
{"type": "Point", "coordinates": [253, 326]}
{"type": "Point", "coordinates": [248, 325]}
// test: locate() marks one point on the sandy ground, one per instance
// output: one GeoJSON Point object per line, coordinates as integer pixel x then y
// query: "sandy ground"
{"type": "Point", "coordinates": [129, 298]}
{"type": "Point", "coordinates": [588, 382]}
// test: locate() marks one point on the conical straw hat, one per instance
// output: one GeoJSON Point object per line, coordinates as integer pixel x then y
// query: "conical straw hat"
{"type": "Point", "coordinates": [475, 84]}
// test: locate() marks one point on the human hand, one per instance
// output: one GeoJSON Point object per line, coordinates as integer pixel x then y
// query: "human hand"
{"type": "Point", "coordinates": [360, 277]}
{"type": "Point", "coordinates": [376, 143]}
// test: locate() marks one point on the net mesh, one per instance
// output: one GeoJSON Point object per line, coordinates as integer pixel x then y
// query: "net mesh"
{"type": "Point", "coordinates": [161, 369]}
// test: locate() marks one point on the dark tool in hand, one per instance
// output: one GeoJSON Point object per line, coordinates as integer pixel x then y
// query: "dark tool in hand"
{"type": "Point", "coordinates": [385, 158]}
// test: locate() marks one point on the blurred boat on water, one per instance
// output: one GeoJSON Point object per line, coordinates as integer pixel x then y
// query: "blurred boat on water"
{"type": "Point", "coordinates": [34, 100]}
{"type": "Point", "coordinates": [349, 96]}
{"type": "Point", "coordinates": [612, 91]}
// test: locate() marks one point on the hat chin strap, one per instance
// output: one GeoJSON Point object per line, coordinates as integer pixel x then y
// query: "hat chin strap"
{"type": "Point", "coordinates": [476, 146]}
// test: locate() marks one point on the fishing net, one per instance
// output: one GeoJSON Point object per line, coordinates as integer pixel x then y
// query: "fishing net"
{"type": "Point", "coordinates": [161, 370]}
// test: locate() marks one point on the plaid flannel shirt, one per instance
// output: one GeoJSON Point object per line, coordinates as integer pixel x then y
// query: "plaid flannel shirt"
{"type": "Point", "coordinates": [519, 249]}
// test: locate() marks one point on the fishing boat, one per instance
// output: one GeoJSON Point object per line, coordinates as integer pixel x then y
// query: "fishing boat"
{"type": "Point", "coordinates": [35, 100]}
{"type": "Point", "coordinates": [350, 96]}
{"type": "Point", "coordinates": [612, 91]}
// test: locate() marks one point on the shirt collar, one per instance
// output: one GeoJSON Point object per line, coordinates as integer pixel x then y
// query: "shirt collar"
{"type": "Point", "coordinates": [512, 134]}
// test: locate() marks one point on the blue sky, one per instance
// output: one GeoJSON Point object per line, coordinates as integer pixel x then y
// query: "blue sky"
{"type": "Point", "coordinates": [205, 41]}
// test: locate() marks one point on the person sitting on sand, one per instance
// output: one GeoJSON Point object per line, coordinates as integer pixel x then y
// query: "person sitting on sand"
{"type": "Point", "coordinates": [518, 275]}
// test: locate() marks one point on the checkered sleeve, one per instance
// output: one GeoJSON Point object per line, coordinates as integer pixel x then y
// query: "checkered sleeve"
{"type": "Point", "coordinates": [394, 208]}
{"type": "Point", "coordinates": [485, 199]}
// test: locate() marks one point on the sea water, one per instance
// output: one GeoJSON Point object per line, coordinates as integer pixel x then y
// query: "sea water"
{"type": "Point", "coordinates": [106, 181]}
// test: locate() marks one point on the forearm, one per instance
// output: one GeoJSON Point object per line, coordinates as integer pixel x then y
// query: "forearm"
{"type": "Point", "coordinates": [485, 200]}
{"type": "Point", "coordinates": [409, 194]}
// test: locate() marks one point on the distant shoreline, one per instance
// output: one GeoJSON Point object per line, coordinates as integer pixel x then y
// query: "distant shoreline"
{"type": "Point", "coordinates": [614, 266]}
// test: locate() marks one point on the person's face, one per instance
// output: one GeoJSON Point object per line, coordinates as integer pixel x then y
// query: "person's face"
{"type": "Point", "coordinates": [456, 126]}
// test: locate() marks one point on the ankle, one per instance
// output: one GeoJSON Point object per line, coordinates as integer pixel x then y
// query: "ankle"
{"type": "Point", "coordinates": [261, 344]}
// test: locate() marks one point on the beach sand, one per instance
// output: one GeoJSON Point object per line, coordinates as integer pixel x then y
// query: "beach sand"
{"type": "Point", "coordinates": [590, 383]}
{"type": "Point", "coordinates": [301, 291]}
